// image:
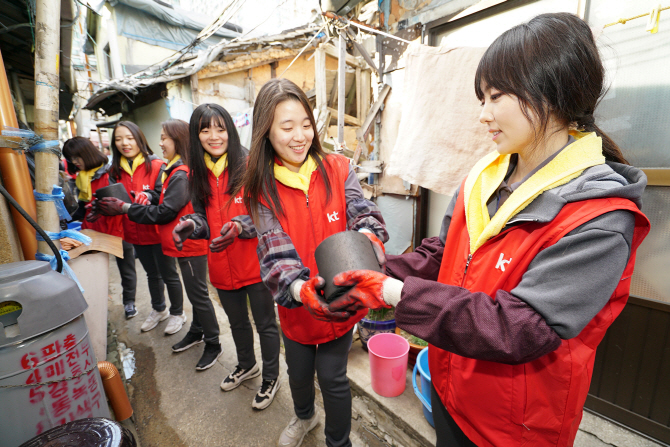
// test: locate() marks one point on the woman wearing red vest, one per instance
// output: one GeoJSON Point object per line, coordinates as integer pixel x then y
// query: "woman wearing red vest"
{"type": "Point", "coordinates": [217, 161]}
{"type": "Point", "coordinates": [299, 196]}
{"type": "Point", "coordinates": [93, 174]}
{"type": "Point", "coordinates": [536, 252]}
{"type": "Point", "coordinates": [135, 166]}
{"type": "Point", "coordinates": [175, 202]}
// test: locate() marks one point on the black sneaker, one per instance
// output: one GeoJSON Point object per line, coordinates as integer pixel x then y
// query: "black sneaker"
{"type": "Point", "coordinates": [130, 311]}
{"type": "Point", "coordinates": [189, 340]}
{"type": "Point", "coordinates": [238, 376]}
{"type": "Point", "coordinates": [265, 395]}
{"type": "Point", "coordinates": [209, 357]}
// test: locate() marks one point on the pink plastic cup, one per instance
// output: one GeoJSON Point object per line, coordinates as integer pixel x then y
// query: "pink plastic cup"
{"type": "Point", "coordinates": [388, 363]}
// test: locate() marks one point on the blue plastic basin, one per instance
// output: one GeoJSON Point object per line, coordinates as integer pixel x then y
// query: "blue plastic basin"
{"type": "Point", "coordinates": [421, 366]}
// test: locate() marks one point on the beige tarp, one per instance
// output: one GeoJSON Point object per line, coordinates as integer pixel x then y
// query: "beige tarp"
{"type": "Point", "coordinates": [440, 137]}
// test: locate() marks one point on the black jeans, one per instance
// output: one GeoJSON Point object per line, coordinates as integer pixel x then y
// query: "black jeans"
{"type": "Point", "coordinates": [161, 270]}
{"type": "Point", "coordinates": [330, 362]}
{"type": "Point", "coordinates": [194, 274]}
{"type": "Point", "coordinates": [126, 267]}
{"type": "Point", "coordinates": [234, 302]}
{"type": "Point", "coordinates": [449, 434]}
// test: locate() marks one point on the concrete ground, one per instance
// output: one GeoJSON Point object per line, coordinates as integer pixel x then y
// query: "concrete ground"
{"type": "Point", "coordinates": [176, 406]}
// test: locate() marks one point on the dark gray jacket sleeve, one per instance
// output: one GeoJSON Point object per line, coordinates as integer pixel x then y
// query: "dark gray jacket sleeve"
{"type": "Point", "coordinates": [571, 281]}
{"type": "Point", "coordinates": [176, 197]}
{"type": "Point", "coordinates": [155, 194]}
{"type": "Point", "coordinates": [199, 216]}
{"type": "Point", "coordinates": [564, 287]}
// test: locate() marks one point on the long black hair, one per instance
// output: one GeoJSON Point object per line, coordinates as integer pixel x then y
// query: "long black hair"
{"type": "Point", "coordinates": [552, 65]}
{"type": "Point", "coordinates": [259, 181]}
{"type": "Point", "coordinates": [203, 117]}
{"type": "Point", "coordinates": [140, 139]}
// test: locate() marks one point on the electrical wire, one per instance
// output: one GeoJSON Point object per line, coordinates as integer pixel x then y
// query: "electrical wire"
{"type": "Point", "coordinates": [26, 216]}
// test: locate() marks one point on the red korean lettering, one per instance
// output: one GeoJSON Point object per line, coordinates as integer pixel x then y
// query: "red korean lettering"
{"type": "Point", "coordinates": [41, 427]}
{"type": "Point", "coordinates": [55, 369]}
{"type": "Point", "coordinates": [78, 392]}
{"type": "Point", "coordinates": [61, 406]}
{"type": "Point", "coordinates": [36, 395]}
{"type": "Point", "coordinates": [29, 360]}
{"type": "Point", "coordinates": [84, 348]}
{"type": "Point", "coordinates": [72, 356]}
{"type": "Point", "coordinates": [92, 384]}
{"type": "Point", "coordinates": [51, 350]}
{"type": "Point", "coordinates": [34, 377]}
{"type": "Point", "coordinates": [84, 409]}
{"type": "Point", "coordinates": [58, 389]}
{"type": "Point", "coordinates": [69, 342]}
{"type": "Point", "coordinates": [96, 399]}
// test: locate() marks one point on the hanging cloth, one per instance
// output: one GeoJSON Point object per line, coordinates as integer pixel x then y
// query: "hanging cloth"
{"type": "Point", "coordinates": [490, 171]}
{"type": "Point", "coordinates": [137, 162]}
{"type": "Point", "coordinates": [83, 183]}
{"type": "Point", "coordinates": [298, 180]}
{"type": "Point", "coordinates": [169, 165]}
{"type": "Point", "coordinates": [218, 167]}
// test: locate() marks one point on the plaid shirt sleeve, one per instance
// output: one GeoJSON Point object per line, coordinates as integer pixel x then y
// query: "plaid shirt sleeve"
{"type": "Point", "coordinates": [362, 213]}
{"type": "Point", "coordinates": [280, 266]}
{"type": "Point", "coordinates": [248, 228]}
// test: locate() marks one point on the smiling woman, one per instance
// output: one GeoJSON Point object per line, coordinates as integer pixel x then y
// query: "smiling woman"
{"type": "Point", "coordinates": [296, 193]}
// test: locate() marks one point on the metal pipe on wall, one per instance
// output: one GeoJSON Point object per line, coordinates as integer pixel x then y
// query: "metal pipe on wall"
{"type": "Point", "coordinates": [15, 174]}
{"type": "Point", "coordinates": [47, 48]}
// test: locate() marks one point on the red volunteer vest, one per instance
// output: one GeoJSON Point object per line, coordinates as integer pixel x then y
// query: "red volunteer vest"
{"type": "Point", "coordinates": [308, 221]}
{"type": "Point", "coordinates": [112, 225]}
{"type": "Point", "coordinates": [134, 233]}
{"type": "Point", "coordinates": [236, 266]}
{"type": "Point", "coordinates": [191, 247]}
{"type": "Point", "coordinates": [538, 403]}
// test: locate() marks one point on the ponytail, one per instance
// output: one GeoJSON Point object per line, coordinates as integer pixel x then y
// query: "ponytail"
{"type": "Point", "coordinates": [611, 150]}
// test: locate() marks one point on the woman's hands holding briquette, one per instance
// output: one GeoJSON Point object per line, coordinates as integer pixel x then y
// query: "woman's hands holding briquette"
{"type": "Point", "coordinates": [367, 290]}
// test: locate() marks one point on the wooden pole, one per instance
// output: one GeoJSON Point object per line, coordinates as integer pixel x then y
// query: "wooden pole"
{"type": "Point", "coordinates": [320, 80]}
{"type": "Point", "coordinates": [341, 95]}
{"type": "Point", "coordinates": [47, 47]}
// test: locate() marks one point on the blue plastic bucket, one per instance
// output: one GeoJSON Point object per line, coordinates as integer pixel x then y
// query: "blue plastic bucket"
{"type": "Point", "coordinates": [424, 393]}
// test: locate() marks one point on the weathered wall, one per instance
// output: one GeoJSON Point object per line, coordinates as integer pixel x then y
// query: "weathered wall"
{"type": "Point", "coordinates": [149, 119]}
{"type": "Point", "coordinates": [237, 91]}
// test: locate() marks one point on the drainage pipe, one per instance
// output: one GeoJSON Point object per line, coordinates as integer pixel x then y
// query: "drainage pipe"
{"type": "Point", "coordinates": [15, 174]}
{"type": "Point", "coordinates": [116, 393]}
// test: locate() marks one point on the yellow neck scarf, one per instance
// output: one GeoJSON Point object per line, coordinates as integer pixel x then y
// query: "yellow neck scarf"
{"type": "Point", "coordinates": [83, 183]}
{"type": "Point", "coordinates": [137, 162]}
{"type": "Point", "coordinates": [489, 172]}
{"type": "Point", "coordinates": [298, 180]}
{"type": "Point", "coordinates": [169, 165]}
{"type": "Point", "coordinates": [218, 167]}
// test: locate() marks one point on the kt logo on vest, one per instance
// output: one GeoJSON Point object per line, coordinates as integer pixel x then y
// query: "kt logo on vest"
{"type": "Point", "coordinates": [238, 199]}
{"type": "Point", "coordinates": [502, 261]}
{"type": "Point", "coordinates": [146, 187]}
{"type": "Point", "coordinates": [333, 216]}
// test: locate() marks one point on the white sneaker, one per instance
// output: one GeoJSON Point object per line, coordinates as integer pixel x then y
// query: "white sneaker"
{"type": "Point", "coordinates": [153, 319]}
{"type": "Point", "coordinates": [296, 430]}
{"type": "Point", "coordinates": [174, 324]}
